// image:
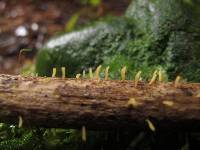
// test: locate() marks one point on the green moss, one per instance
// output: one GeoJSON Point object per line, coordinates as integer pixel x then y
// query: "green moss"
{"type": "Point", "coordinates": [83, 49]}
{"type": "Point", "coordinates": [170, 36]}
{"type": "Point", "coordinates": [13, 138]}
{"type": "Point", "coordinates": [152, 33]}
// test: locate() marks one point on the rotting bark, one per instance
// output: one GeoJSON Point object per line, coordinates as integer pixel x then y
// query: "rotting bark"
{"type": "Point", "coordinates": [72, 103]}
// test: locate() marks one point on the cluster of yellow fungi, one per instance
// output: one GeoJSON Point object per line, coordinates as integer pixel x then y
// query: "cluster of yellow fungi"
{"type": "Point", "coordinates": [157, 75]}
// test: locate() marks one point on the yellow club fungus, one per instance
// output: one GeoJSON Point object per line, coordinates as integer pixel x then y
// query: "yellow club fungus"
{"type": "Point", "coordinates": [97, 72]}
{"type": "Point", "coordinates": [107, 73]}
{"type": "Point", "coordinates": [137, 77]}
{"type": "Point", "coordinates": [151, 126]}
{"type": "Point", "coordinates": [90, 73]}
{"type": "Point", "coordinates": [153, 79]}
{"type": "Point", "coordinates": [20, 122]}
{"type": "Point", "coordinates": [54, 73]}
{"type": "Point", "coordinates": [84, 135]}
{"type": "Point", "coordinates": [78, 76]}
{"type": "Point", "coordinates": [63, 72]}
{"type": "Point", "coordinates": [177, 81]}
{"type": "Point", "coordinates": [123, 73]}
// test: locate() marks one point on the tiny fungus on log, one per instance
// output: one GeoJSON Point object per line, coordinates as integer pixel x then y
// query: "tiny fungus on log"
{"type": "Point", "coordinates": [99, 104]}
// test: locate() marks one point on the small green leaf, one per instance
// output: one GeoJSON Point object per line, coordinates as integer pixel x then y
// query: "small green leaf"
{"type": "Point", "coordinates": [95, 2]}
{"type": "Point", "coordinates": [70, 25]}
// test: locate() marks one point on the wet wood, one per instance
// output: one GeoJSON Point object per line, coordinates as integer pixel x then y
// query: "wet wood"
{"type": "Point", "coordinates": [73, 103]}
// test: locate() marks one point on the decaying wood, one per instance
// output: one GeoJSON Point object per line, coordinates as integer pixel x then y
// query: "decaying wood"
{"type": "Point", "coordinates": [73, 103]}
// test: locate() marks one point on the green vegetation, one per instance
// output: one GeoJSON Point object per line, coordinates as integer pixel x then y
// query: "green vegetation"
{"type": "Point", "coordinates": [91, 2]}
{"type": "Point", "coordinates": [87, 48]}
{"type": "Point", "coordinates": [154, 34]}
{"type": "Point", "coordinates": [151, 34]}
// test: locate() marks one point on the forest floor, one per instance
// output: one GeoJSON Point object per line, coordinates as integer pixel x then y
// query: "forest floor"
{"type": "Point", "coordinates": [27, 24]}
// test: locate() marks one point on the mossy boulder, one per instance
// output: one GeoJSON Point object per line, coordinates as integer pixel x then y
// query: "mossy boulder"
{"type": "Point", "coordinates": [170, 35]}
{"type": "Point", "coordinates": [85, 48]}
{"type": "Point", "coordinates": [151, 34]}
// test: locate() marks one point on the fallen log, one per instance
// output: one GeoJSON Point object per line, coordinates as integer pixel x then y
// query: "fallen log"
{"type": "Point", "coordinates": [99, 104]}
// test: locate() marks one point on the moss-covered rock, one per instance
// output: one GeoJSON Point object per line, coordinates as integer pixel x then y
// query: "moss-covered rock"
{"type": "Point", "coordinates": [86, 48]}
{"type": "Point", "coordinates": [170, 35]}
{"type": "Point", "coordinates": [153, 33]}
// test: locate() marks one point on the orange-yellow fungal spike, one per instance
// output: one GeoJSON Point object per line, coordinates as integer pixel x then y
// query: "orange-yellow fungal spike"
{"type": "Point", "coordinates": [78, 76]}
{"type": "Point", "coordinates": [63, 72]}
{"type": "Point", "coordinates": [177, 81]}
{"type": "Point", "coordinates": [132, 103]}
{"type": "Point", "coordinates": [198, 95]}
{"type": "Point", "coordinates": [151, 126]}
{"type": "Point", "coordinates": [83, 73]}
{"type": "Point", "coordinates": [123, 73]}
{"type": "Point", "coordinates": [107, 73]}
{"type": "Point", "coordinates": [160, 75]}
{"type": "Point", "coordinates": [153, 79]}
{"type": "Point", "coordinates": [54, 72]}
{"type": "Point", "coordinates": [137, 77]}
{"type": "Point", "coordinates": [90, 73]}
{"type": "Point", "coordinates": [20, 122]}
{"type": "Point", "coordinates": [168, 103]}
{"type": "Point", "coordinates": [97, 72]}
{"type": "Point", "coordinates": [84, 134]}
